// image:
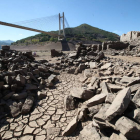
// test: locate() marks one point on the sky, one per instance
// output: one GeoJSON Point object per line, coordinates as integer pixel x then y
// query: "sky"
{"type": "Point", "coordinates": [118, 16]}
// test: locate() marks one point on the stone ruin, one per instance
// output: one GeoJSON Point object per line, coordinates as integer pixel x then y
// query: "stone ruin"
{"type": "Point", "coordinates": [97, 98]}
{"type": "Point", "coordinates": [130, 36]}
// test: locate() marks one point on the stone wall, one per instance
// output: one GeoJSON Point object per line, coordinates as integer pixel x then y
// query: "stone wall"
{"type": "Point", "coordinates": [117, 45]}
{"type": "Point", "coordinates": [132, 35]}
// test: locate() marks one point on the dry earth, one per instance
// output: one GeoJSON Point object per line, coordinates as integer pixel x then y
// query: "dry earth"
{"type": "Point", "coordinates": [49, 118]}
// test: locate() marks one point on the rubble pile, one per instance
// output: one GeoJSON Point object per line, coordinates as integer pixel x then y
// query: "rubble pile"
{"type": "Point", "coordinates": [22, 81]}
{"type": "Point", "coordinates": [103, 105]}
{"type": "Point", "coordinates": [121, 48]}
{"type": "Point", "coordinates": [76, 62]}
{"type": "Point", "coordinates": [108, 97]}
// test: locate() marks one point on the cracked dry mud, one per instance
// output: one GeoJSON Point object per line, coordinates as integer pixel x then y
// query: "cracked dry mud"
{"type": "Point", "coordinates": [48, 118]}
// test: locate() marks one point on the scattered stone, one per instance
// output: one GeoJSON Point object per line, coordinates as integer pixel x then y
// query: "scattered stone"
{"type": "Point", "coordinates": [82, 93]}
{"type": "Point", "coordinates": [71, 127]}
{"type": "Point", "coordinates": [136, 98]}
{"type": "Point", "coordinates": [27, 105]}
{"type": "Point", "coordinates": [69, 102]}
{"type": "Point", "coordinates": [119, 104]}
{"type": "Point", "coordinates": [97, 99]}
{"type": "Point", "coordinates": [89, 133]}
{"type": "Point", "coordinates": [135, 115]}
{"type": "Point", "coordinates": [128, 128]}
{"type": "Point", "coordinates": [15, 109]}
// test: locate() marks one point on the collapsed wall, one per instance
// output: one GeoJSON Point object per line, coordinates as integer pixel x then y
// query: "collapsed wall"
{"type": "Point", "coordinates": [117, 45]}
{"type": "Point", "coordinates": [130, 36]}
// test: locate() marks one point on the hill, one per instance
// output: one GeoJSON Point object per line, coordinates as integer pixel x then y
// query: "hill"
{"type": "Point", "coordinates": [84, 33]}
{"type": "Point", "coordinates": [5, 42]}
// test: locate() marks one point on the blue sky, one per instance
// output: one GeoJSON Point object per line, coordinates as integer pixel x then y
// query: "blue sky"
{"type": "Point", "coordinates": [119, 16]}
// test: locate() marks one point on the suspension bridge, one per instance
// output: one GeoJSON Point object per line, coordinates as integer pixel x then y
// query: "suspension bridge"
{"type": "Point", "coordinates": [42, 25]}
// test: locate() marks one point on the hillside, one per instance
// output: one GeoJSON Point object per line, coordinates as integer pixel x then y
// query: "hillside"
{"type": "Point", "coordinates": [83, 33]}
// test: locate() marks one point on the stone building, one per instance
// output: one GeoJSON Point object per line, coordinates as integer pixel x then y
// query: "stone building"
{"type": "Point", "coordinates": [130, 36]}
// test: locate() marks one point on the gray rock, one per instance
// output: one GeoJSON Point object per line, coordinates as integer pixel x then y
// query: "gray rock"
{"type": "Point", "coordinates": [110, 97]}
{"type": "Point", "coordinates": [136, 98]}
{"type": "Point", "coordinates": [104, 138]}
{"type": "Point", "coordinates": [51, 79]}
{"type": "Point", "coordinates": [106, 66]}
{"type": "Point", "coordinates": [135, 115]}
{"type": "Point", "coordinates": [100, 117]}
{"type": "Point", "coordinates": [128, 128]}
{"type": "Point", "coordinates": [15, 109]}
{"type": "Point", "coordinates": [97, 99]}
{"type": "Point", "coordinates": [104, 87]}
{"type": "Point", "coordinates": [71, 127]}
{"type": "Point", "coordinates": [93, 65]}
{"type": "Point", "coordinates": [19, 96]}
{"type": "Point", "coordinates": [31, 87]}
{"type": "Point", "coordinates": [135, 87]}
{"type": "Point", "coordinates": [8, 80]}
{"type": "Point", "coordinates": [72, 55]}
{"type": "Point", "coordinates": [6, 97]}
{"type": "Point", "coordinates": [5, 47]}
{"type": "Point", "coordinates": [115, 88]}
{"type": "Point", "coordinates": [27, 105]}
{"type": "Point", "coordinates": [69, 102]}
{"type": "Point", "coordinates": [20, 80]}
{"type": "Point", "coordinates": [87, 73]}
{"type": "Point", "coordinates": [41, 94]}
{"type": "Point", "coordinates": [82, 93]}
{"type": "Point", "coordinates": [99, 56]}
{"type": "Point", "coordinates": [115, 136]}
{"type": "Point", "coordinates": [119, 104]}
{"type": "Point", "coordinates": [89, 133]}
{"type": "Point", "coordinates": [94, 109]}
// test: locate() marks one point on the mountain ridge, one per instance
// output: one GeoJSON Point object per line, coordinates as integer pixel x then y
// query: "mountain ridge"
{"type": "Point", "coordinates": [82, 33]}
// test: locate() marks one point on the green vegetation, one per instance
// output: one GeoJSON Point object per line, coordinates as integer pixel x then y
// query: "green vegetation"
{"type": "Point", "coordinates": [83, 32]}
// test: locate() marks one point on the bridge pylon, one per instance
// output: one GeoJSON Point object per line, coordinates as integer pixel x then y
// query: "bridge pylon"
{"type": "Point", "coordinates": [61, 32]}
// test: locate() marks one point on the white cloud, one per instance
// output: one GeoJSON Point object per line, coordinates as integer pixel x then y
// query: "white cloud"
{"type": "Point", "coordinates": [20, 34]}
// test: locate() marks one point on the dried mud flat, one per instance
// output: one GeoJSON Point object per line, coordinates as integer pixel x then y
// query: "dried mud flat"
{"type": "Point", "coordinates": [48, 119]}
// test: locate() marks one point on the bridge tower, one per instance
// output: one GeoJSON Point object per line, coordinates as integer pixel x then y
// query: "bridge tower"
{"type": "Point", "coordinates": [61, 32]}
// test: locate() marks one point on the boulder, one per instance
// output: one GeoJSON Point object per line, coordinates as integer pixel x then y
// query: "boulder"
{"type": "Point", "coordinates": [109, 98]}
{"type": "Point", "coordinates": [100, 117]}
{"type": "Point", "coordinates": [27, 105]}
{"type": "Point", "coordinates": [135, 115]}
{"type": "Point", "coordinates": [119, 104]}
{"type": "Point", "coordinates": [89, 133]}
{"type": "Point", "coordinates": [5, 47]}
{"type": "Point", "coordinates": [71, 127]}
{"type": "Point", "coordinates": [19, 96]}
{"type": "Point", "coordinates": [69, 102]}
{"type": "Point", "coordinates": [55, 53]}
{"type": "Point", "coordinates": [94, 109]}
{"type": "Point", "coordinates": [15, 109]}
{"type": "Point", "coordinates": [93, 65]}
{"type": "Point", "coordinates": [82, 93]}
{"type": "Point", "coordinates": [128, 128]}
{"type": "Point", "coordinates": [87, 73]}
{"type": "Point", "coordinates": [20, 80]}
{"type": "Point", "coordinates": [115, 136]}
{"type": "Point", "coordinates": [41, 94]}
{"type": "Point", "coordinates": [99, 56]}
{"type": "Point", "coordinates": [106, 66]}
{"type": "Point", "coordinates": [31, 87]}
{"type": "Point", "coordinates": [136, 98]}
{"type": "Point", "coordinates": [97, 99]}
